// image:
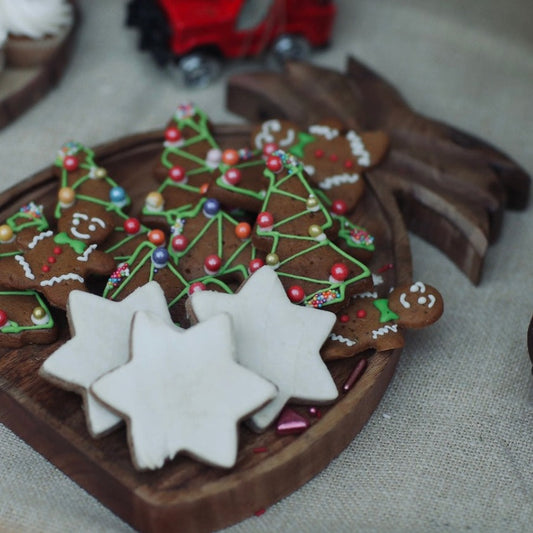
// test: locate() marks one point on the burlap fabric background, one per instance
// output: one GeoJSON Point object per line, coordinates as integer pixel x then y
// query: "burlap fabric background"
{"type": "Point", "coordinates": [450, 446]}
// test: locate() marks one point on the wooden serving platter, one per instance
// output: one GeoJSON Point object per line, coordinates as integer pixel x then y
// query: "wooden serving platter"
{"type": "Point", "coordinates": [22, 87]}
{"type": "Point", "coordinates": [185, 495]}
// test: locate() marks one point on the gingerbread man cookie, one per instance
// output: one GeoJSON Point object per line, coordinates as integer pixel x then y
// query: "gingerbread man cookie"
{"type": "Point", "coordinates": [379, 322]}
{"type": "Point", "coordinates": [333, 158]}
{"type": "Point", "coordinates": [56, 263]}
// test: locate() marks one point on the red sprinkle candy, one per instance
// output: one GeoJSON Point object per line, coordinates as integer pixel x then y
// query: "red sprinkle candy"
{"type": "Point", "coordinates": [274, 163]}
{"type": "Point", "coordinates": [296, 294]}
{"type": "Point", "coordinates": [386, 267]}
{"type": "Point", "coordinates": [361, 313]}
{"type": "Point", "coordinates": [172, 134]}
{"type": "Point", "coordinates": [3, 318]}
{"type": "Point", "coordinates": [70, 163]}
{"type": "Point", "coordinates": [179, 243]}
{"type": "Point", "coordinates": [255, 264]}
{"type": "Point", "coordinates": [177, 174]}
{"type": "Point", "coordinates": [132, 226]}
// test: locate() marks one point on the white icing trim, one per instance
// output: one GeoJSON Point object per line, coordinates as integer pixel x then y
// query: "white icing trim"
{"type": "Point", "coordinates": [384, 330]}
{"type": "Point", "coordinates": [340, 338]}
{"type": "Point", "coordinates": [358, 148]}
{"type": "Point", "coordinates": [264, 136]}
{"type": "Point", "coordinates": [87, 253]}
{"type": "Point", "coordinates": [310, 169]}
{"type": "Point", "coordinates": [25, 265]}
{"type": "Point", "coordinates": [324, 131]}
{"type": "Point", "coordinates": [403, 301]}
{"type": "Point", "coordinates": [417, 286]}
{"type": "Point", "coordinates": [432, 300]}
{"type": "Point", "coordinates": [368, 294]}
{"type": "Point", "coordinates": [59, 279]}
{"type": "Point", "coordinates": [339, 179]}
{"type": "Point", "coordinates": [43, 235]}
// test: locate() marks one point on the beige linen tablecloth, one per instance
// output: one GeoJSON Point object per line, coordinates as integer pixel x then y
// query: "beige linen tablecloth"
{"type": "Point", "coordinates": [450, 446]}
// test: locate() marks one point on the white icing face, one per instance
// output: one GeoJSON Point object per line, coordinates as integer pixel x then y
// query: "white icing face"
{"type": "Point", "coordinates": [274, 126]}
{"type": "Point", "coordinates": [35, 18]}
{"type": "Point", "coordinates": [91, 225]}
{"type": "Point", "coordinates": [423, 298]}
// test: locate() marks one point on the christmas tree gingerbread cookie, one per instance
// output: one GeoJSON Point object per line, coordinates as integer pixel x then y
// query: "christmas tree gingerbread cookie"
{"type": "Point", "coordinates": [293, 228]}
{"type": "Point", "coordinates": [378, 323]}
{"type": "Point", "coordinates": [25, 319]}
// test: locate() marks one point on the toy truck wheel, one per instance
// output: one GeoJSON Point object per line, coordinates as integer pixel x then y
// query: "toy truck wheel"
{"type": "Point", "coordinates": [199, 69]}
{"type": "Point", "coordinates": [288, 47]}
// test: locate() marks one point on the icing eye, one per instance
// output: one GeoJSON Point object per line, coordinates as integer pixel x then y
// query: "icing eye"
{"type": "Point", "coordinates": [92, 227]}
{"type": "Point", "coordinates": [76, 222]}
{"type": "Point", "coordinates": [418, 286]}
{"type": "Point", "coordinates": [422, 300]}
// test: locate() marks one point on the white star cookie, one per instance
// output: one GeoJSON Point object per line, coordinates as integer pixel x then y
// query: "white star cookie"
{"type": "Point", "coordinates": [182, 391]}
{"type": "Point", "coordinates": [100, 332]}
{"type": "Point", "coordinates": [275, 338]}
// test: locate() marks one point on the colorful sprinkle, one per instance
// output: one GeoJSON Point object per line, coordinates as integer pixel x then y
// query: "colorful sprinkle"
{"type": "Point", "coordinates": [118, 276]}
{"type": "Point", "coordinates": [323, 298]}
{"type": "Point", "coordinates": [356, 373]}
{"type": "Point", "coordinates": [290, 422]}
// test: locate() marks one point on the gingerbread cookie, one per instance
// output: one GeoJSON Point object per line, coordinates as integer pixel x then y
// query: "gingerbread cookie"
{"type": "Point", "coordinates": [207, 247]}
{"type": "Point", "coordinates": [25, 319]}
{"type": "Point", "coordinates": [57, 263]}
{"type": "Point", "coordinates": [333, 158]}
{"type": "Point", "coordinates": [275, 338]}
{"type": "Point", "coordinates": [293, 229]}
{"type": "Point", "coordinates": [378, 323]}
{"type": "Point", "coordinates": [195, 164]}
{"type": "Point", "coordinates": [182, 392]}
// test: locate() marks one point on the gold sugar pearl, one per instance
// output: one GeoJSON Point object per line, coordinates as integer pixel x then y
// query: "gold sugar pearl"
{"type": "Point", "coordinates": [314, 231]}
{"type": "Point", "coordinates": [272, 259]}
{"type": "Point", "coordinates": [38, 313]}
{"type": "Point", "coordinates": [100, 173]}
{"type": "Point", "coordinates": [311, 202]}
{"type": "Point", "coordinates": [6, 233]}
{"type": "Point", "coordinates": [154, 200]}
{"type": "Point", "coordinates": [66, 196]}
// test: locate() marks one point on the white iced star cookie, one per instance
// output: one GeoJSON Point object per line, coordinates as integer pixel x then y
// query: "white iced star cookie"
{"type": "Point", "coordinates": [275, 338]}
{"type": "Point", "coordinates": [182, 391]}
{"type": "Point", "coordinates": [100, 332]}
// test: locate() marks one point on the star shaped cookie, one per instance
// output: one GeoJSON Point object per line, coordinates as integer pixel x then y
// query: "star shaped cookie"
{"type": "Point", "coordinates": [100, 342]}
{"type": "Point", "coordinates": [275, 338]}
{"type": "Point", "coordinates": [182, 391]}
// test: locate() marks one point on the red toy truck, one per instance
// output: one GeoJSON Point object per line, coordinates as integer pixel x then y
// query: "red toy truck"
{"type": "Point", "coordinates": [198, 34]}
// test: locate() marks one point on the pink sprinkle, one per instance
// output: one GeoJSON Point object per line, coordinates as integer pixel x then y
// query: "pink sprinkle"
{"type": "Point", "coordinates": [291, 422]}
{"type": "Point", "coordinates": [315, 411]}
{"type": "Point", "coordinates": [386, 267]}
{"type": "Point", "coordinates": [356, 373]}
{"type": "Point", "coordinates": [260, 512]}
{"type": "Point", "coordinates": [261, 449]}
